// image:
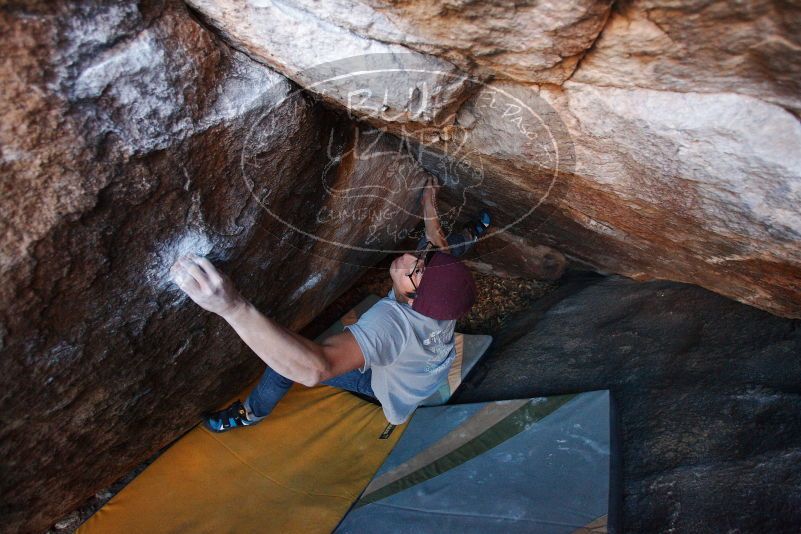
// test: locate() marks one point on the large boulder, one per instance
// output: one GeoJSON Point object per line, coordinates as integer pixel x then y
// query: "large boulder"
{"type": "Point", "coordinates": [130, 134]}
{"type": "Point", "coordinates": [656, 140]}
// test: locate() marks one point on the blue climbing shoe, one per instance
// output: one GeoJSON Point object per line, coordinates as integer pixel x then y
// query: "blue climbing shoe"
{"type": "Point", "coordinates": [479, 227]}
{"type": "Point", "coordinates": [235, 416]}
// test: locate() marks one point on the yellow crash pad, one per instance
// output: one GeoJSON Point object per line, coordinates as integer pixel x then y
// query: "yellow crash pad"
{"type": "Point", "coordinates": [299, 470]}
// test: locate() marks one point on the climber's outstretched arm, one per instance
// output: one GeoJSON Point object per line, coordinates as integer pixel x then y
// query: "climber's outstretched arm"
{"type": "Point", "coordinates": [434, 231]}
{"type": "Point", "coordinates": [289, 354]}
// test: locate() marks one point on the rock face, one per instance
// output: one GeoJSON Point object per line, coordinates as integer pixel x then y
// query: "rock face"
{"type": "Point", "coordinates": [695, 46]}
{"type": "Point", "coordinates": [654, 139]}
{"type": "Point", "coordinates": [706, 391]}
{"type": "Point", "coordinates": [315, 53]}
{"type": "Point", "coordinates": [524, 41]}
{"type": "Point", "coordinates": [130, 134]}
{"type": "Point", "coordinates": [509, 256]}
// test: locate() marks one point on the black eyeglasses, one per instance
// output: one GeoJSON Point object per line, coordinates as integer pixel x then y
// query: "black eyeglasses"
{"type": "Point", "coordinates": [423, 255]}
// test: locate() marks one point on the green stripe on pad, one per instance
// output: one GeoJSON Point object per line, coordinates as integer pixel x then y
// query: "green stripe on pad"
{"type": "Point", "coordinates": [508, 427]}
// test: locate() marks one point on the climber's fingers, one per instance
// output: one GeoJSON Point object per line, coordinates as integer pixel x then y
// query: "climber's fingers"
{"type": "Point", "coordinates": [183, 279]}
{"type": "Point", "coordinates": [198, 274]}
{"type": "Point", "coordinates": [211, 271]}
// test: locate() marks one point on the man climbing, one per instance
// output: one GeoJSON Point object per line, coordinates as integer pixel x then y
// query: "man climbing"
{"type": "Point", "coordinates": [398, 352]}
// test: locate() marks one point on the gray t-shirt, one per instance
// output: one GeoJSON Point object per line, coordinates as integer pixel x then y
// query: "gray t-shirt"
{"type": "Point", "coordinates": [409, 354]}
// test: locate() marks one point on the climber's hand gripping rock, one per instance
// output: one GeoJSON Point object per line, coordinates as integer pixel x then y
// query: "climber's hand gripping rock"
{"type": "Point", "coordinates": [205, 285]}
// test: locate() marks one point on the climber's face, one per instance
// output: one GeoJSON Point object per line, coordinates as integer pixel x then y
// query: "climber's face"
{"type": "Point", "coordinates": [406, 272]}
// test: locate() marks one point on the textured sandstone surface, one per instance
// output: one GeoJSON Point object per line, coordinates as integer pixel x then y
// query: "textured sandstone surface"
{"type": "Point", "coordinates": [509, 256]}
{"type": "Point", "coordinates": [130, 134]}
{"type": "Point", "coordinates": [668, 147]}
{"type": "Point", "coordinates": [694, 46]}
{"type": "Point", "coordinates": [699, 188]}
{"type": "Point", "coordinates": [317, 54]}
{"type": "Point", "coordinates": [523, 41]}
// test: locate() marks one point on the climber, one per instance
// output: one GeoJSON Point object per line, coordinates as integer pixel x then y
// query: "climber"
{"type": "Point", "coordinates": [398, 352]}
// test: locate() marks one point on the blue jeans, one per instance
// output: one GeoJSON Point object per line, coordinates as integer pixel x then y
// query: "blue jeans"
{"type": "Point", "coordinates": [272, 387]}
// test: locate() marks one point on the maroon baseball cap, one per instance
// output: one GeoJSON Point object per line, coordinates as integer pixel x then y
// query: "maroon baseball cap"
{"type": "Point", "coordinates": [447, 290]}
